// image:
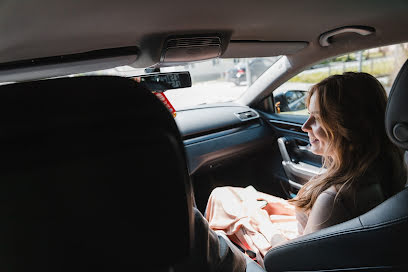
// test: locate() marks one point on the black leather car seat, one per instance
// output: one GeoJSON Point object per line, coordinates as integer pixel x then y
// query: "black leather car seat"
{"type": "Point", "coordinates": [93, 178]}
{"type": "Point", "coordinates": [374, 241]}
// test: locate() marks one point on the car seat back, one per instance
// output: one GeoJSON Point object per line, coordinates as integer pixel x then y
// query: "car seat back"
{"type": "Point", "coordinates": [93, 178]}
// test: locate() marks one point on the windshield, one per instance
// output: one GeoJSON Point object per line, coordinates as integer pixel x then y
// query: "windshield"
{"type": "Point", "coordinates": [213, 81]}
{"type": "Point", "coordinates": [217, 80]}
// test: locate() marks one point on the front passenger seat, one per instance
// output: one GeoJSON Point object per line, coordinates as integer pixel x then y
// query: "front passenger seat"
{"type": "Point", "coordinates": [374, 241]}
{"type": "Point", "coordinates": [93, 178]}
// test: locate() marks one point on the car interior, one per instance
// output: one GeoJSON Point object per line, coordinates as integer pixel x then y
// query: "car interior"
{"type": "Point", "coordinates": [98, 175]}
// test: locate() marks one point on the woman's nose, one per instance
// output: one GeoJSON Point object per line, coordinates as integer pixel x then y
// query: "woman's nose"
{"type": "Point", "coordinates": [306, 125]}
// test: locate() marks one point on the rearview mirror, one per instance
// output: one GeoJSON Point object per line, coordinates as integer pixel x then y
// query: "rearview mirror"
{"type": "Point", "coordinates": [160, 82]}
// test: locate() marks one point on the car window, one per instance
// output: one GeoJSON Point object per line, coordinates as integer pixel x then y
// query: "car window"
{"type": "Point", "coordinates": [382, 62]}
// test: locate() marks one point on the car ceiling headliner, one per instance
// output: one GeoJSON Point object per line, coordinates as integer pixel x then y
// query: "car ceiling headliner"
{"type": "Point", "coordinates": [35, 29]}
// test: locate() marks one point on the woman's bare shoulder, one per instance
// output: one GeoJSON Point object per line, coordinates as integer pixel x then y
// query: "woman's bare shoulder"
{"type": "Point", "coordinates": [326, 211]}
{"type": "Point", "coordinates": [332, 191]}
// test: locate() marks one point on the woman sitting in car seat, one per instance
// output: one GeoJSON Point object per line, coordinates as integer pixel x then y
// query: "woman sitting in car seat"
{"type": "Point", "coordinates": [361, 168]}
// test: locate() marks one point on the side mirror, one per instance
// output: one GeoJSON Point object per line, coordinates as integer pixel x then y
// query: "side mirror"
{"type": "Point", "coordinates": [277, 107]}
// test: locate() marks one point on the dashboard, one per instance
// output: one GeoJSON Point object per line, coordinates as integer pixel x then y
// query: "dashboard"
{"type": "Point", "coordinates": [213, 134]}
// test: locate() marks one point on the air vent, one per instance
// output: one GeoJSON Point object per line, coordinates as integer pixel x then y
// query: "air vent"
{"type": "Point", "coordinates": [186, 49]}
{"type": "Point", "coordinates": [247, 115]}
{"type": "Point", "coordinates": [187, 42]}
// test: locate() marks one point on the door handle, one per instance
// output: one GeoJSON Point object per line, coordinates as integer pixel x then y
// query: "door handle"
{"type": "Point", "coordinates": [298, 172]}
{"type": "Point", "coordinates": [282, 148]}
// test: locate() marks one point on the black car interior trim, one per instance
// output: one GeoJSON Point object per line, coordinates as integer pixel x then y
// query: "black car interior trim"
{"type": "Point", "coordinates": [212, 119]}
{"type": "Point", "coordinates": [287, 126]}
{"type": "Point", "coordinates": [296, 120]}
{"type": "Point", "coordinates": [245, 125]}
{"type": "Point", "coordinates": [224, 146]}
{"type": "Point", "coordinates": [208, 135]}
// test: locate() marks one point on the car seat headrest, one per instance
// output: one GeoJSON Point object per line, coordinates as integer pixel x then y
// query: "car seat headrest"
{"type": "Point", "coordinates": [93, 177]}
{"type": "Point", "coordinates": [396, 117]}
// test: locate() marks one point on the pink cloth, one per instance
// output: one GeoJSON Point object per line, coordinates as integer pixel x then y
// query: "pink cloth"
{"type": "Point", "coordinates": [251, 219]}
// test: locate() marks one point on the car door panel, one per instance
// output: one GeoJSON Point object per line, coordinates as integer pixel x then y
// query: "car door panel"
{"type": "Point", "coordinates": [298, 162]}
{"type": "Point", "coordinates": [297, 166]}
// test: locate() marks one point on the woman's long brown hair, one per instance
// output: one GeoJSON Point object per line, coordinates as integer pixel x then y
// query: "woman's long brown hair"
{"type": "Point", "coordinates": [352, 110]}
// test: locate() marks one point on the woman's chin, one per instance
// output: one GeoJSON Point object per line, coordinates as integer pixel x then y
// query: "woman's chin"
{"type": "Point", "coordinates": [315, 149]}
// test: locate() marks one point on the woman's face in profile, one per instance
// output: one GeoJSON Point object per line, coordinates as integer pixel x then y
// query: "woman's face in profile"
{"type": "Point", "coordinates": [317, 135]}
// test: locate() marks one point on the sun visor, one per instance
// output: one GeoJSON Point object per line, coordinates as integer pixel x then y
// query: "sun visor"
{"type": "Point", "coordinates": [247, 49]}
{"type": "Point", "coordinates": [48, 67]}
